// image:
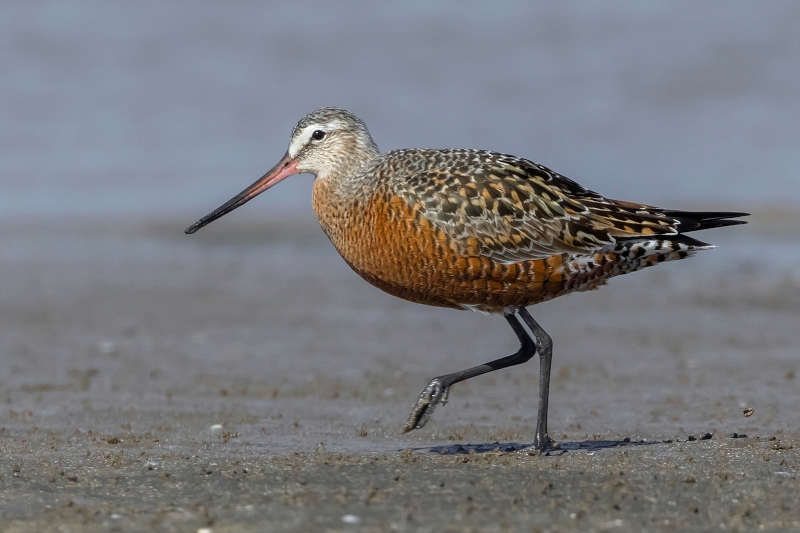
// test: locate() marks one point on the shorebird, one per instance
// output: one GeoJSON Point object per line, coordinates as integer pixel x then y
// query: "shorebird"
{"type": "Point", "coordinates": [472, 229]}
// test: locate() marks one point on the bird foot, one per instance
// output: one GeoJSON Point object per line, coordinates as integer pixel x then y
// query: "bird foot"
{"type": "Point", "coordinates": [435, 393]}
{"type": "Point", "coordinates": [542, 443]}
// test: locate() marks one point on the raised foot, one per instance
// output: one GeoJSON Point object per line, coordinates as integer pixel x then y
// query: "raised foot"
{"type": "Point", "coordinates": [435, 393]}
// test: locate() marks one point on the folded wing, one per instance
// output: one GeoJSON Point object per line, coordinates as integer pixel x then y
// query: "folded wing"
{"type": "Point", "coordinates": [511, 209]}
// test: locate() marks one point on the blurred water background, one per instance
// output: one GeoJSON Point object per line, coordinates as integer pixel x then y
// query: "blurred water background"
{"type": "Point", "coordinates": [163, 110]}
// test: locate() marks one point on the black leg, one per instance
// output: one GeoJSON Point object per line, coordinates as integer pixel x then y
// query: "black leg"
{"type": "Point", "coordinates": [437, 390]}
{"type": "Point", "coordinates": [544, 345]}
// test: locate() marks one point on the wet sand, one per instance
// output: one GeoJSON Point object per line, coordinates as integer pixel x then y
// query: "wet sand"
{"type": "Point", "coordinates": [243, 379]}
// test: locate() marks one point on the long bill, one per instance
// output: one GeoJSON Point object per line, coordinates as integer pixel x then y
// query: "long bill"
{"type": "Point", "coordinates": [285, 168]}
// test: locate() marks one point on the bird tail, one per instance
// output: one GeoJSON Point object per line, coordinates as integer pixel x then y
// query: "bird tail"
{"type": "Point", "coordinates": [700, 220]}
{"type": "Point", "coordinates": [630, 254]}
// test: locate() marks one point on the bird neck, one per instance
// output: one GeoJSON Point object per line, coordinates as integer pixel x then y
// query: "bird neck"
{"type": "Point", "coordinates": [337, 192]}
{"type": "Point", "coordinates": [353, 158]}
{"type": "Point", "coordinates": [349, 177]}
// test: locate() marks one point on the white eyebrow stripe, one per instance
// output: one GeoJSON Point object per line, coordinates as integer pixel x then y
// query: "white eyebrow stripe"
{"type": "Point", "coordinates": [301, 140]}
{"type": "Point", "coordinates": [305, 136]}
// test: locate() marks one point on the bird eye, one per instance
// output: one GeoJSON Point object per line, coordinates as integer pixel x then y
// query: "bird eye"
{"type": "Point", "coordinates": [318, 135]}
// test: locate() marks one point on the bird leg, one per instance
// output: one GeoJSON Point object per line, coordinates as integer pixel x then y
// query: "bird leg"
{"type": "Point", "coordinates": [437, 390]}
{"type": "Point", "coordinates": [544, 345]}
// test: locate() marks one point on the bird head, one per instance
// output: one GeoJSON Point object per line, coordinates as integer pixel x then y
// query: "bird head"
{"type": "Point", "coordinates": [326, 142]}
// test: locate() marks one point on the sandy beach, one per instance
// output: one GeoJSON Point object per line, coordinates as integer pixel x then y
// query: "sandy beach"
{"type": "Point", "coordinates": [244, 379]}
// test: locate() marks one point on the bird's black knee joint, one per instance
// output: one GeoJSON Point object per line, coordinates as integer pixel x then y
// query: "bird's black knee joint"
{"type": "Point", "coordinates": [544, 344]}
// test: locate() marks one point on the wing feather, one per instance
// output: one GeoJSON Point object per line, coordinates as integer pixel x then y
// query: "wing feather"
{"type": "Point", "coordinates": [516, 210]}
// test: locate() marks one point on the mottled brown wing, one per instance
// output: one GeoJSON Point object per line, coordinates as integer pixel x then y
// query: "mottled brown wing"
{"type": "Point", "coordinates": [511, 209]}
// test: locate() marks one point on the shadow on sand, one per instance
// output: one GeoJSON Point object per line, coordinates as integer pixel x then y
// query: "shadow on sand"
{"type": "Point", "coordinates": [563, 447]}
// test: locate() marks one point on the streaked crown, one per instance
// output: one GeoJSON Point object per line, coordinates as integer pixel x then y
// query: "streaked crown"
{"type": "Point", "coordinates": [331, 141]}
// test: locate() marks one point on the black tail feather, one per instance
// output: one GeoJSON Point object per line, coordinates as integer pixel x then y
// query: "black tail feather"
{"type": "Point", "coordinates": [699, 220]}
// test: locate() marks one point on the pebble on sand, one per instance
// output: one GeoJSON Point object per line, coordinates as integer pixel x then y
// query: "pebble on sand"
{"type": "Point", "coordinates": [351, 519]}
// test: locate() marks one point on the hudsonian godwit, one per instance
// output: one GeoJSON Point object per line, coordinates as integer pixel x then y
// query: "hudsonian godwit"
{"type": "Point", "coordinates": [472, 229]}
